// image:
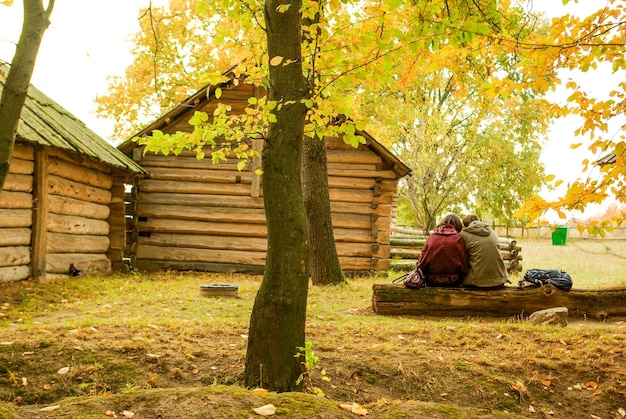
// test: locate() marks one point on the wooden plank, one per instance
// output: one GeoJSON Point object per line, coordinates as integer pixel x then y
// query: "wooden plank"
{"type": "Point", "coordinates": [18, 183]}
{"type": "Point", "coordinates": [185, 212]}
{"type": "Point", "coordinates": [117, 224]}
{"type": "Point", "coordinates": [15, 218]}
{"type": "Point", "coordinates": [88, 264]}
{"type": "Point", "coordinates": [64, 187]}
{"type": "Point", "coordinates": [80, 174]}
{"type": "Point", "coordinates": [200, 200]}
{"type": "Point", "coordinates": [204, 175]}
{"type": "Point", "coordinates": [396, 299]}
{"type": "Point", "coordinates": [194, 227]}
{"type": "Point", "coordinates": [14, 255]}
{"type": "Point", "coordinates": [353, 221]}
{"type": "Point", "coordinates": [22, 167]}
{"type": "Point", "coordinates": [14, 273]}
{"type": "Point", "coordinates": [181, 254]}
{"type": "Point", "coordinates": [69, 224]}
{"type": "Point", "coordinates": [69, 206]}
{"type": "Point", "coordinates": [170, 186]}
{"type": "Point", "coordinates": [255, 244]}
{"type": "Point", "coordinates": [16, 200]}
{"type": "Point", "coordinates": [383, 210]}
{"type": "Point", "coordinates": [15, 237]}
{"type": "Point", "coordinates": [340, 166]}
{"type": "Point", "coordinates": [73, 243]}
{"type": "Point", "coordinates": [40, 214]}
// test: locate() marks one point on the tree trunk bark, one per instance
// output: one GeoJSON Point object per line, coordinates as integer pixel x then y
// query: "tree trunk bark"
{"type": "Point", "coordinates": [36, 21]}
{"type": "Point", "coordinates": [278, 317]}
{"type": "Point", "coordinates": [323, 260]}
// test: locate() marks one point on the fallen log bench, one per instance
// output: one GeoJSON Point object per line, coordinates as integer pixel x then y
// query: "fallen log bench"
{"type": "Point", "coordinates": [396, 299]}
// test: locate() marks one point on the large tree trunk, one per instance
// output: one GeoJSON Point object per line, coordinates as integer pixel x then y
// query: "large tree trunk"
{"type": "Point", "coordinates": [278, 316]}
{"type": "Point", "coordinates": [36, 21]}
{"type": "Point", "coordinates": [324, 262]}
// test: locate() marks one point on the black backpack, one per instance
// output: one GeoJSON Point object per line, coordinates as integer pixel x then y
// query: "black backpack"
{"type": "Point", "coordinates": [555, 277]}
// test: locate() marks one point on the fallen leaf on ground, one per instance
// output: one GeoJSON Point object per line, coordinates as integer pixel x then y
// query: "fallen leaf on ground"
{"type": "Point", "coordinates": [260, 391]}
{"type": "Point", "coordinates": [64, 370]}
{"type": "Point", "coordinates": [546, 383]}
{"type": "Point", "coordinates": [127, 414]}
{"type": "Point", "coordinates": [267, 410]}
{"type": "Point", "coordinates": [50, 408]}
{"type": "Point", "coordinates": [110, 414]}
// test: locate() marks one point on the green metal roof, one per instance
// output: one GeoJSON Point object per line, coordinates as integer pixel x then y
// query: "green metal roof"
{"type": "Point", "coordinates": [45, 122]}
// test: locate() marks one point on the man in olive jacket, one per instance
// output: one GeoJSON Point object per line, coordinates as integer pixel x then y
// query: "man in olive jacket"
{"type": "Point", "coordinates": [487, 268]}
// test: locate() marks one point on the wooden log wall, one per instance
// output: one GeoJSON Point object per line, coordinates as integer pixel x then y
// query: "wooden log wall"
{"type": "Point", "coordinates": [79, 202]}
{"type": "Point", "coordinates": [16, 215]}
{"type": "Point", "coordinates": [191, 214]}
{"type": "Point", "coordinates": [406, 248]}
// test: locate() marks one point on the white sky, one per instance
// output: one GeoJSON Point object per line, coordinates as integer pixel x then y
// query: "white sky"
{"type": "Point", "coordinates": [89, 40]}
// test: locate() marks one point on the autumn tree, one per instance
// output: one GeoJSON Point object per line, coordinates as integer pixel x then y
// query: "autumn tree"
{"type": "Point", "coordinates": [36, 21]}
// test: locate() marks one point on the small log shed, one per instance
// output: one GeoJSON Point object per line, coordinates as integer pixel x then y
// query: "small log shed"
{"type": "Point", "coordinates": [62, 204]}
{"type": "Point", "coordinates": [190, 214]}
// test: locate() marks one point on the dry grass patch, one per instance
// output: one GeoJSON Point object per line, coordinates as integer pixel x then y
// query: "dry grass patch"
{"type": "Point", "coordinates": [128, 339]}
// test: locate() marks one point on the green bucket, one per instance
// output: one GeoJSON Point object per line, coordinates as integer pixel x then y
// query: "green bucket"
{"type": "Point", "coordinates": [559, 236]}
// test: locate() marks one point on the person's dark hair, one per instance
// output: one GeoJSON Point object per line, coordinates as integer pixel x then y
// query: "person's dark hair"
{"type": "Point", "coordinates": [453, 220]}
{"type": "Point", "coordinates": [467, 220]}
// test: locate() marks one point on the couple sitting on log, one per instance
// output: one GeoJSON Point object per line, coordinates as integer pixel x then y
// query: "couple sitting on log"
{"type": "Point", "coordinates": [463, 253]}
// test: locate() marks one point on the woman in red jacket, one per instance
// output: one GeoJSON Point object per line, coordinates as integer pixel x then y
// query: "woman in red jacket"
{"type": "Point", "coordinates": [444, 260]}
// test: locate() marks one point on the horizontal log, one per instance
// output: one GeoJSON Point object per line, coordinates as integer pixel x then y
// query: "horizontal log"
{"type": "Point", "coordinates": [185, 212]}
{"type": "Point", "coordinates": [79, 173]}
{"type": "Point", "coordinates": [194, 227]}
{"type": "Point", "coordinates": [69, 224]}
{"type": "Point", "coordinates": [15, 237]}
{"type": "Point", "coordinates": [331, 167]}
{"type": "Point", "coordinates": [15, 218]}
{"type": "Point", "coordinates": [353, 156]}
{"type": "Point", "coordinates": [368, 250]}
{"type": "Point", "coordinates": [201, 175]}
{"type": "Point", "coordinates": [150, 161]}
{"type": "Point", "coordinates": [408, 242]}
{"type": "Point", "coordinates": [197, 241]}
{"type": "Point", "coordinates": [88, 264]}
{"type": "Point", "coordinates": [18, 183]}
{"type": "Point", "coordinates": [21, 166]}
{"type": "Point", "coordinates": [364, 174]}
{"type": "Point", "coordinates": [23, 151]}
{"type": "Point", "coordinates": [396, 299]}
{"type": "Point", "coordinates": [170, 186]}
{"type": "Point", "coordinates": [345, 182]}
{"type": "Point", "coordinates": [361, 196]}
{"type": "Point", "coordinates": [73, 243]}
{"type": "Point", "coordinates": [159, 265]}
{"type": "Point", "coordinates": [382, 210]}
{"type": "Point", "coordinates": [79, 159]}
{"type": "Point", "coordinates": [354, 265]}
{"type": "Point", "coordinates": [357, 222]}
{"type": "Point", "coordinates": [14, 255]}
{"type": "Point", "coordinates": [181, 254]}
{"type": "Point", "coordinates": [16, 200]}
{"type": "Point", "coordinates": [203, 200]}
{"type": "Point", "coordinates": [14, 273]}
{"type": "Point", "coordinates": [363, 236]}
{"type": "Point", "coordinates": [69, 206]}
{"type": "Point", "coordinates": [510, 255]}
{"type": "Point", "coordinates": [71, 189]}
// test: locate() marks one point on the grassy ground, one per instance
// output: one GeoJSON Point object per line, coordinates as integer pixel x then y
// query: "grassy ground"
{"type": "Point", "coordinates": [152, 345]}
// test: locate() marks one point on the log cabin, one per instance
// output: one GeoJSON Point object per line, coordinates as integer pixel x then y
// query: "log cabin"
{"type": "Point", "coordinates": [62, 205]}
{"type": "Point", "coordinates": [190, 214]}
